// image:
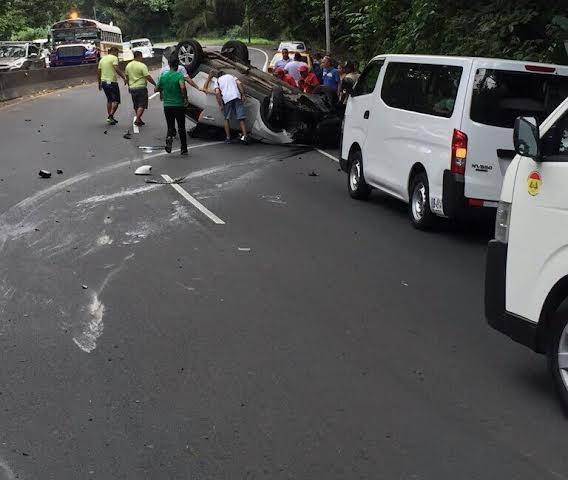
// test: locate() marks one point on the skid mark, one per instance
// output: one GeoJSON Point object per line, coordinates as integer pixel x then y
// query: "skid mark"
{"type": "Point", "coordinates": [127, 192]}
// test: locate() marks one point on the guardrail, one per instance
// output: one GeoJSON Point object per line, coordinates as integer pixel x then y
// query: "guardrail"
{"type": "Point", "coordinates": [29, 82]}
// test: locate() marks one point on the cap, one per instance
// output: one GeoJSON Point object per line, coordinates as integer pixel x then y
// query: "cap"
{"type": "Point", "coordinates": [303, 68]}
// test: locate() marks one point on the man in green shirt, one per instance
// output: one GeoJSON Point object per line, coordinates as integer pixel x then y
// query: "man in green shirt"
{"type": "Point", "coordinates": [137, 76]}
{"type": "Point", "coordinates": [107, 76]}
{"type": "Point", "coordinates": [174, 95]}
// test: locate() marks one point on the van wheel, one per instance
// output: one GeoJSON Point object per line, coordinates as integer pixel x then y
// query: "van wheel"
{"type": "Point", "coordinates": [558, 357]}
{"type": "Point", "coordinates": [356, 184]}
{"type": "Point", "coordinates": [421, 216]}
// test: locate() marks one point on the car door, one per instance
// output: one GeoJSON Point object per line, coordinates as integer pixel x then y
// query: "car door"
{"type": "Point", "coordinates": [537, 255]}
{"type": "Point", "coordinates": [358, 110]}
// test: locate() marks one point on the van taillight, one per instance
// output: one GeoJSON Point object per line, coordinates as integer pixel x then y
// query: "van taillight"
{"type": "Point", "coordinates": [459, 152]}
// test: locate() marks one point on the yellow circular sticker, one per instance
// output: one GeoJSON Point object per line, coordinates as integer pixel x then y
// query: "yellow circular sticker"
{"type": "Point", "coordinates": [533, 182]}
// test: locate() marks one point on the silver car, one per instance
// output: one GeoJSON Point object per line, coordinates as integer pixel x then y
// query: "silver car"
{"type": "Point", "coordinates": [20, 56]}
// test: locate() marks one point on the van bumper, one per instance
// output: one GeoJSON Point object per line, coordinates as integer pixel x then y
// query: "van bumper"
{"type": "Point", "coordinates": [517, 328]}
{"type": "Point", "coordinates": [453, 198]}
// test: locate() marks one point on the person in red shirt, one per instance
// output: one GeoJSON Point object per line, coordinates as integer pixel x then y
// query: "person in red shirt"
{"type": "Point", "coordinates": [308, 80]}
{"type": "Point", "coordinates": [285, 77]}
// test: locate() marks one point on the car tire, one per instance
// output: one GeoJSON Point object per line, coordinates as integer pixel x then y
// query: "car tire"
{"type": "Point", "coordinates": [419, 211]}
{"type": "Point", "coordinates": [274, 109]}
{"type": "Point", "coordinates": [190, 55]}
{"type": "Point", "coordinates": [356, 184]}
{"type": "Point", "coordinates": [236, 51]}
{"type": "Point", "coordinates": [328, 93]}
{"type": "Point", "coordinates": [557, 350]}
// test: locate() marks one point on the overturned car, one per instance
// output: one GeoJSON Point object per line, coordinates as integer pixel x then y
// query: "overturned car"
{"type": "Point", "coordinates": [276, 112]}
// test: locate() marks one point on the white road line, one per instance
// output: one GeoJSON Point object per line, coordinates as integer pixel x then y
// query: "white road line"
{"type": "Point", "coordinates": [134, 126]}
{"type": "Point", "coordinates": [328, 155]}
{"type": "Point", "coordinates": [265, 55]}
{"type": "Point", "coordinates": [154, 95]}
{"type": "Point", "coordinates": [208, 213]}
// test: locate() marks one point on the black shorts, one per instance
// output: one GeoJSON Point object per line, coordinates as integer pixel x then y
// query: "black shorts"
{"type": "Point", "coordinates": [139, 98]}
{"type": "Point", "coordinates": [112, 92]}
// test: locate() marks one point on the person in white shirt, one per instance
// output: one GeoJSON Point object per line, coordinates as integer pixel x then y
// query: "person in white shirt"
{"type": "Point", "coordinates": [293, 67]}
{"type": "Point", "coordinates": [285, 60]}
{"type": "Point", "coordinates": [231, 97]}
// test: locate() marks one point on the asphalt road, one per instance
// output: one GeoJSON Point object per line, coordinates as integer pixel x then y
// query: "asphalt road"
{"type": "Point", "coordinates": [309, 336]}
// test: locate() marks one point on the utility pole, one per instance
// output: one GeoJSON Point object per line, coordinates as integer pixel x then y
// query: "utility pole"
{"type": "Point", "coordinates": [327, 29]}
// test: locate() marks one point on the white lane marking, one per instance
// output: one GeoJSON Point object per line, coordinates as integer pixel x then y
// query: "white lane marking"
{"type": "Point", "coordinates": [208, 213]}
{"type": "Point", "coordinates": [154, 95]}
{"type": "Point", "coordinates": [134, 126]}
{"type": "Point", "coordinates": [264, 67]}
{"type": "Point", "coordinates": [328, 155]}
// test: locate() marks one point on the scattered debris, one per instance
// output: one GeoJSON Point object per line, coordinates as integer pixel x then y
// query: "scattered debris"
{"type": "Point", "coordinates": [161, 181]}
{"type": "Point", "coordinates": [105, 132]}
{"type": "Point", "coordinates": [143, 170]}
{"type": "Point", "coordinates": [404, 284]}
{"type": "Point", "coordinates": [244, 249]}
{"type": "Point", "coordinates": [313, 173]}
{"type": "Point", "coordinates": [84, 287]}
{"type": "Point", "coordinates": [59, 171]}
{"type": "Point", "coordinates": [28, 120]}
{"type": "Point", "coordinates": [45, 174]}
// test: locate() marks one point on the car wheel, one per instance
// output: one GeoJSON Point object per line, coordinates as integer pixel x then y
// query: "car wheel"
{"type": "Point", "coordinates": [558, 357]}
{"type": "Point", "coordinates": [328, 93]}
{"type": "Point", "coordinates": [190, 55]}
{"type": "Point", "coordinates": [356, 184]}
{"type": "Point", "coordinates": [274, 109]}
{"type": "Point", "coordinates": [421, 216]}
{"type": "Point", "coordinates": [236, 51]}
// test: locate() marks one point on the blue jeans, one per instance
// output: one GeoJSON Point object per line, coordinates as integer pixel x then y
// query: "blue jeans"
{"type": "Point", "coordinates": [235, 108]}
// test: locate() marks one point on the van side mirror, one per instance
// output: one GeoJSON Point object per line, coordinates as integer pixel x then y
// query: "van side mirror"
{"type": "Point", "coordinates": [526, 138]}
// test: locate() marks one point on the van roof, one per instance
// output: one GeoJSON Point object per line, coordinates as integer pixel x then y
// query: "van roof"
{"type": "Point", "coordinates": [474, 59]}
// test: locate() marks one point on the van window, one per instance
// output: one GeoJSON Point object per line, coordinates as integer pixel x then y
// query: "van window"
{"type": "Point", "coordinates": [555, 141]}
{"type": "Point", "coordinates": [368, 79]}
{"type": "Point", "coordinates": [500, 96]}
{"type": "Point", "coordinates": [423, 88]}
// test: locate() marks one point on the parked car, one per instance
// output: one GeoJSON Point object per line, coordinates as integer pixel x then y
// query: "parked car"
{"type": "Point", "coordinates": [276, 112]}
{"type": "Point", "coordinates": [293, 45]}
{"type": "Point", "coordinates": [20, 56]}
{"type": "Point", "coordinates": [143, 45]}
{"type": "Point", "coordinates": [436, 132]}
{"type": "Point", "coordinates": [306, 57]}
{"type": "Point", "coordinates": [526, 281]}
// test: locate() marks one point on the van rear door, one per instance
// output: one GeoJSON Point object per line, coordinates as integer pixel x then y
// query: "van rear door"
{"type": "Point", "coordinates": [499, 92]}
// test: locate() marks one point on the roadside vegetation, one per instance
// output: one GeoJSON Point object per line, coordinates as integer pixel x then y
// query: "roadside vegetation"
{"type": "Point", "coordinates": [518, 29]}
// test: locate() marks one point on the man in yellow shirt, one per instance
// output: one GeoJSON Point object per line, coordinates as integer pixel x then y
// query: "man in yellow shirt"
{"type": "Point", "coordinates": [107, 75]}
{"type": "Point", "coordinates": [137, 77]}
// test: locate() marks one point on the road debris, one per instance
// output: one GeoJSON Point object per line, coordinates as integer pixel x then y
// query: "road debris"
{"type": "Point", "coordinates": [59, 171]}
{"type": "Point", "coordinates": [106, 132]}
{"type": "Point", "coordinates": [44, 174]}
{"type": "Point", "coordinates": [244, 249]}
{"type": "Point", "coordinates": [143, 170]}
{"type": "Point", "coordinates": [161, 181]}
{"type": "Point", "coordinates": [84, 287]}
{"type": "Point", "coordinates": [313, 173]}
{"type": "Point", "coordinates": [404, 284]}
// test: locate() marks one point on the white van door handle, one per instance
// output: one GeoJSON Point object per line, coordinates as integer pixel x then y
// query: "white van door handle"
{"type": "Point", "coordinates": [366, 114]}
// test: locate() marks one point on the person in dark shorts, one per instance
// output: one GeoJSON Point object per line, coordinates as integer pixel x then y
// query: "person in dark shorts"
{"type": "Point", "coordinates": [174, 95]}
{"type": "Point", "coordinates": [231, 99]}
{"type": "Point", "coordinates": [107, 76]}
{"type": "Point", "coordinates": [137, 77]}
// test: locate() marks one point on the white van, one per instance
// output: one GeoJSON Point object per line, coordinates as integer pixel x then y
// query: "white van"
{"type": "Point", "coordinates": [143, 45]}
{"type": "Point", "coordinates": [526, 283]}
{"type": "Point", "coordinates": [436, 132]}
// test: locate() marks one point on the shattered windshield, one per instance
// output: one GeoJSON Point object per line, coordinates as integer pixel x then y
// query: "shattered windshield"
{"type": "Point", "coordinates": [14, 51]}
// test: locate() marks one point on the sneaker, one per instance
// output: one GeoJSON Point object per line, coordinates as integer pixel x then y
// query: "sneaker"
{"type": "Point", "coordinates": [139, 123]}
{"type": "Point", "coordinates": [112, 121]}
{"type": "Point", "coordinates": [184, 153]}
{"type": "Point", "coordinates": [169, 142]}
{"type": "Point", "coordinates": [244, 139]}
{"type": "Point", "coordinates": [228, 140]}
